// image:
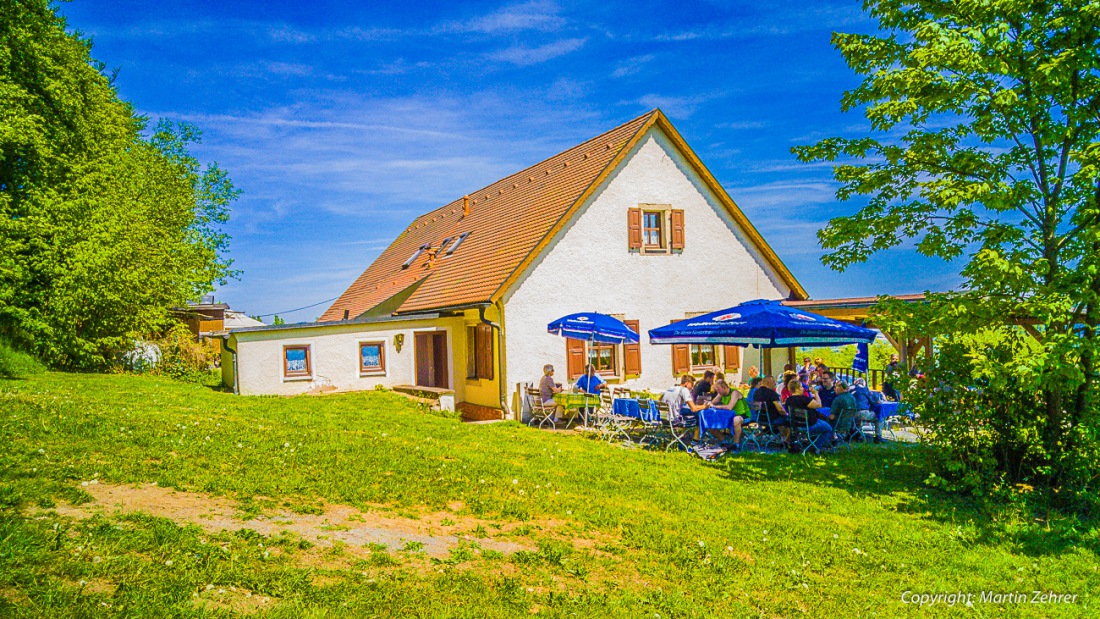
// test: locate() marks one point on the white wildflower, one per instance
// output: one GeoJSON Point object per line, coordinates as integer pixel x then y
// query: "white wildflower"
{"type": "Point", "coordinates": [168, 563]}
{"type": "Point", "coordinates": [286, 445]}
{"type": "Point", "coordinates": [209, 587]}
{"type": "Point", "coordinates": [701, 544]}
{"type": "Point", "coordinates": [515, 481]}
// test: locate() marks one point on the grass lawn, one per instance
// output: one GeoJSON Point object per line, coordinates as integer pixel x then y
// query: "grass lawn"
{"type": "Point", "coordinates": [602, 531]}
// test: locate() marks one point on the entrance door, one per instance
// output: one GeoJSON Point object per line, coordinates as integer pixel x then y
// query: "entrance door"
{"type": "Point", "coordinates": [431, 360]}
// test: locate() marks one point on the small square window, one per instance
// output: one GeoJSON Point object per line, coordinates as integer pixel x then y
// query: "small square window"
{"type": "Point", "coordinates": [653, 229]}
{"type": "Point", "coordinates": [703, 356]}
{"type": "Point", "coordinates": [296, 362]}
{"type": "Point", "coordinates": [603, 357]}
{"type": "Point", "coordinates": [372, 357]}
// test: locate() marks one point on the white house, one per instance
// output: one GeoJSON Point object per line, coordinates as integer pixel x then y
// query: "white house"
{"type": "Point", "coordinates": [629, 223]}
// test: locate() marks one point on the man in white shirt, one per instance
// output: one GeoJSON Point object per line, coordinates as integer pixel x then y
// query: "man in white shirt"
{"type": "Point", "coordinates": [679, 396]}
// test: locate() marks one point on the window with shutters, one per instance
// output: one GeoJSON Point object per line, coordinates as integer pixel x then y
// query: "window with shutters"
{"type": "Point", "coordinates": [655, 229]}
{"type": "Point", "coordinates": [372, 358]}
{"type": "Point", "coordinates": [603, 356]}
{"type": "Point", "coordinates": [479, 352]}
{"type": "Point", "coordinates": [610, 360]}
{"type": "Point", "coordinates": [698, 358]}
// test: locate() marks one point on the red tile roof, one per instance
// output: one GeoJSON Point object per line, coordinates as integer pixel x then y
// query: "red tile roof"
{"type": "Point", "coordinates": [508, 222]}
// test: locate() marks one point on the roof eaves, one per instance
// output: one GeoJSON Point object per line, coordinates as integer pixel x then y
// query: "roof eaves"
{"type": "Point", "coordinates": [339, 323]}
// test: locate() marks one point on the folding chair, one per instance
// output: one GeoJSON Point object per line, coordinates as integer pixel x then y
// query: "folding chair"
{"type": "Point", "coordinates": [752, 428]}
{"type": "Point", "coordinates": [541, 413]}
{"type": "Point", "coordinates": [682, 428]}
{"type": "Point", "coordinates": [651, 429]}
{"type": "Point", "coordinates": [766, 431]}
{"type": "Point", "coordinates": [800, 426]}
{"type": "Point", "coordinates": [845, 428]}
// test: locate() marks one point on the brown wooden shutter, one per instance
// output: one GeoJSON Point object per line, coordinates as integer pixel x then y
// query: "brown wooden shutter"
{"type": "Point", "coordinates": [632, 353]}
{"type": "Point", "coordinates": [676, 240]}
{"type": "Point", "coordinates": [574, 356]}
{"type": "Point", "coordinates": [733, 357]}
{"type": "Point", "coordinates": [681, 359]}
{"type": "Point", "coordinates": [485, 351]}
{"type": "Point", "coordinates": [634, 228]}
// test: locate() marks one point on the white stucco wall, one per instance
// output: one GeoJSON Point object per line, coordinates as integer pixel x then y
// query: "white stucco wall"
{"type": "Point", "coordinates": [335, 356]}
{"type": "Point", "coordinates": [589, 268]}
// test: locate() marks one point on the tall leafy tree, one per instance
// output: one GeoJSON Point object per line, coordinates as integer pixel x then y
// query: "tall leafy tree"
{"type": "Point", "coordinates": [985, 146]}
{"type": "Point", "coordinates": [104, 224]}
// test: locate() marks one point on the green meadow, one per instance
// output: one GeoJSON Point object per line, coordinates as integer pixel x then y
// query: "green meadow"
{"type": "Point", "coordinates": [590, 529]}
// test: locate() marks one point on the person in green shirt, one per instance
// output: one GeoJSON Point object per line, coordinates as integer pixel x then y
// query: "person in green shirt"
{"type": "Point", "coordinates": [731, 399]}
{"type": "Point", "coordinates": [844, 403]}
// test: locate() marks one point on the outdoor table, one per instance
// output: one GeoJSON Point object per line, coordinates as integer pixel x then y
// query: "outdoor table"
{"type": "Point", "coordinates": [580, 401]}
{"type": "Point", "coordinates": [629, 407]}
{"type": "Point", "coordinates": [715, 419]}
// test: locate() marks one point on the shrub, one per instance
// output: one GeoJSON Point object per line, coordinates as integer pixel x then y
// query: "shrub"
{"type": "Point", "coordinates": [982, 402]}
{"type": "Point", "coordinates": [15, 363]}
{"type": "Point", "coordinates": [182, 356]}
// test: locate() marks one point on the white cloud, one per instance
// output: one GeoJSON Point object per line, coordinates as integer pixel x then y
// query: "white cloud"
{"type": "Point", "coordinates": [632, 66]}
{"type": "Point", "coordinates": [676, 107]}
{"type": "Point", "coordinates": [525, 56]}
{"type": "Point", "coordinates": [513, 18]}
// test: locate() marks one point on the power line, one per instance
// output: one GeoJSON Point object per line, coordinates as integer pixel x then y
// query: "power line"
{"type": "Point", "coordinates": [297, 309]}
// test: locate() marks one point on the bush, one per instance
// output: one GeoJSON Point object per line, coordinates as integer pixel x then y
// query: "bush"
{"type": "Point", "coordinates": [982, 403]}
{"type": "Point", "coordinates": [16, 363]}
{"type": "Point", "coordinates": [184, 357]}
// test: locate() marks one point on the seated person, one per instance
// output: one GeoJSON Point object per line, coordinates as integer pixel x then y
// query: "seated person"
{"type": "Point", "coordinates": [788, 376]}
{"type": "Point", "coordinates": [867, 405]}
{"type": "Point", "coordinates": [842, 403]}
{"type": "Point", "coordinates": [590, 383]}
{"type": "Point", "coordinates": [771, 409]}
{"type": "Point", "coordinates": [701, 393]}
{"type": "Point", "coordinates": [732, 400]}
{"type": "Point", "coordinates": [756, 380]}
{"type": "Point", "coordinates": [547, 389]}
{"type": "Point", "coordinates": [827, 389]}
{"type": "Point", "coordinates": [679, 396]}
{"type": "Point", "coordinates": [818, 427]}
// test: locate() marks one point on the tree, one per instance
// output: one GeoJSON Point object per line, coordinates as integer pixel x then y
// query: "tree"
{"type": "Point", "coordinates": [103, 224]}
{"type": "Point", "coordinates": [985, 145]}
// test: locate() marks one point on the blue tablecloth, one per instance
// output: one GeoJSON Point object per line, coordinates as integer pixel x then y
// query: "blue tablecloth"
{"type": "Point", "coordinates": [715, 419]}
{"type": "Point", "coordinates": [886, 409]}
{"type": "Point", "coordinates": [628, 407]}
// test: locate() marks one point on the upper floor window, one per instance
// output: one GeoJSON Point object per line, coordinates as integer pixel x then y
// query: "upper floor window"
{"type": "Point", "coordinates": [655, 229]}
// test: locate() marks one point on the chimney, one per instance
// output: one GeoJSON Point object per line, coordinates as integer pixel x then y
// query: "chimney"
{"type": "Point", "coordinates": [465, 206]}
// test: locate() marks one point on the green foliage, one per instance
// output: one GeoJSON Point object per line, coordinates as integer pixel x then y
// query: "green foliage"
{"type": "Point", "coordinates": [182, 356]}
{"type": "Point", "coordinates": [985, 147]}
{"type": "Point", "coordinates": [16, 363]}
{"type": "Point", "coordinates": [842, 356]}
{"type": "Point", "coordinates": [103, 226]}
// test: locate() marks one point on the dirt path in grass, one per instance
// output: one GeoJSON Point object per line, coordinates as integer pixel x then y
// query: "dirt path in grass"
{"type": "Point", "coordinates": [434, 533]}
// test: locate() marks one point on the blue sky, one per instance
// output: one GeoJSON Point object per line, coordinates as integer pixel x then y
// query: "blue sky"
{"type": "Point", "coordinates": [342, 121]}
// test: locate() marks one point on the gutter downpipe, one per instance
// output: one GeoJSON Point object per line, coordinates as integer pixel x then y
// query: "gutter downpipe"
{"type": "Point", "coordinates": [236, 377]}
{"type": "Point", "coordinates": [501, 383]}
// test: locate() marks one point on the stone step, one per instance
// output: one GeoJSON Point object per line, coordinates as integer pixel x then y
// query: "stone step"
{"type": "Point", "coordinates": [444, 398]}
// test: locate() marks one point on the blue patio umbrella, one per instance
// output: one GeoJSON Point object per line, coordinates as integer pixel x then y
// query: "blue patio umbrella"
{"type": "Point", "coordinates": [593, 327]}
{"type": "Point", "coordinates": [767, 324]}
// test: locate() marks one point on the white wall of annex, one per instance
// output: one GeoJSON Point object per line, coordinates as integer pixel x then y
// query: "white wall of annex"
{"type": "Point", "coordinates": [335, 357]}
{"type": "Point", "coordinates": [589, 268]}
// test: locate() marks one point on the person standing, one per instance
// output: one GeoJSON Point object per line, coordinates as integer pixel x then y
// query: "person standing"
{"type": "Point", "coordinates": [888, 382]}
